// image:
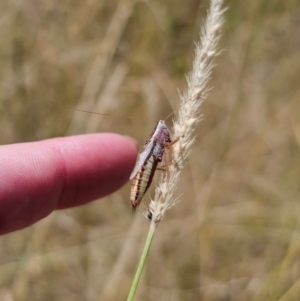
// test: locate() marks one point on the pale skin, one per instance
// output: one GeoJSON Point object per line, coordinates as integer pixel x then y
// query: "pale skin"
{"type": "Point", "coordinates": [40, 177]}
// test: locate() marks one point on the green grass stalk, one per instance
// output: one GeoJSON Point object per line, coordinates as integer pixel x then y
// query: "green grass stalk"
{"type": "Point", "coordinates": [141, 265]}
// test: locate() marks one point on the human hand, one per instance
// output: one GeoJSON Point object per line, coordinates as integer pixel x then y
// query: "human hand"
{"type": "Point", "coordinates": [39, 177]}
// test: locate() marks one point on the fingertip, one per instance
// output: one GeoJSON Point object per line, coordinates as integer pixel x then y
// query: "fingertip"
{"type": "Point", "coordinates": [58, 173]}
{"type": "Point", "coordinates": [132, 141]}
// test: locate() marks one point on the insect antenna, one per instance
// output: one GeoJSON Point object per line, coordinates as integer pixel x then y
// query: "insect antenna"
{"type": "Point", "coordinates": [169, 115]}
{"type": "Point", "coordinates": [109, 115]}
{"type": "Point", "coordinates": [183, 103]}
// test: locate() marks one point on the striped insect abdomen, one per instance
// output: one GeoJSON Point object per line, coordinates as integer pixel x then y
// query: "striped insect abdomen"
{"type": "Point", "coordinates": [146, 164]}
{"type": "Point", "coordinates": [142, 181]}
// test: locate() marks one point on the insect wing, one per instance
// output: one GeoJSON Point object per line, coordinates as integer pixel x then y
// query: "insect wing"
{"type": "Point", "coordinates": [141, 158]}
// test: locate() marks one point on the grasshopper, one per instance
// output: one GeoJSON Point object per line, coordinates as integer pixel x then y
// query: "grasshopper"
{"type": "Point", "coordinates": [150, 155]}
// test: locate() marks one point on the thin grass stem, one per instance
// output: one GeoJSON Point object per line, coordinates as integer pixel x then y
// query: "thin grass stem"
{"type": "Point", "coordinates": [141, 265]}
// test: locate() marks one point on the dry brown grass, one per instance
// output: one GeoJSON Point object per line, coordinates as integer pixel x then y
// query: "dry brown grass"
{"type": "Point", "coordinates": [234, 235]}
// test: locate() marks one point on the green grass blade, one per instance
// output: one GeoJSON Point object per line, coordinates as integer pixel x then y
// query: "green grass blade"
{"type": "Point", "coordinates": [142, 262]}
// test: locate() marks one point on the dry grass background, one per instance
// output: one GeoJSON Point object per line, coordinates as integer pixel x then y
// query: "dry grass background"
{"type": "Point", "coordinates": [235, 233]}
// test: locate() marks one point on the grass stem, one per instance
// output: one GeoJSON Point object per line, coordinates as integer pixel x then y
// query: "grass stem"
{"type": "Point", "coordinates": [140, 267]}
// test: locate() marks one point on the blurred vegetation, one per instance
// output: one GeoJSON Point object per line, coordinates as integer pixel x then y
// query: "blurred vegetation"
{"type": "Point", "coordinates": [234, 235]}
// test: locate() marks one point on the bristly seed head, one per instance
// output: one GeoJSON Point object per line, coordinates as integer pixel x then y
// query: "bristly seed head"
{"type": "Point", "coordinates": [188, 114]}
